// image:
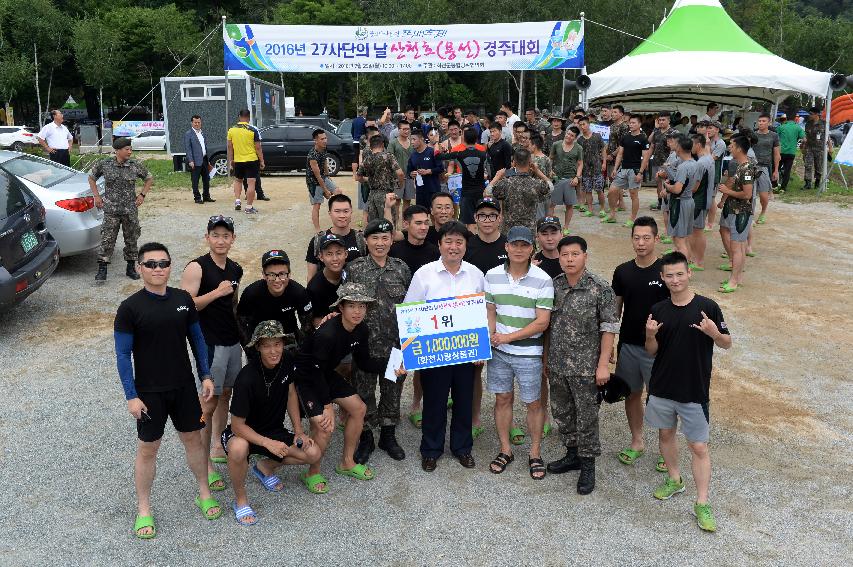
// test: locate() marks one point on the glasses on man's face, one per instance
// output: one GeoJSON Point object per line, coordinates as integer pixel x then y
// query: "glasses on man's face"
{"type": "Point", "coordinates": [275, 276]}
{"type": "Point", "coordinates": [487, 216]}
{"type": "Point", "coordinates": [151, 264]}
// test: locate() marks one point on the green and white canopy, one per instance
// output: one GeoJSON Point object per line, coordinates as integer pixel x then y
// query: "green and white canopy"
{"type": "Point", "coordinates": [699, 55]}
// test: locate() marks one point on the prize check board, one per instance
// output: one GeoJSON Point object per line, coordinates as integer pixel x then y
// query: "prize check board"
{"type": "Point", "coordinates": [441, 332]}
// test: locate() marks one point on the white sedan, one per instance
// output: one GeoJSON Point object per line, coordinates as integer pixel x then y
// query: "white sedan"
{"type": "Point", "coordinates": [72, 217]}
{"type": "Point", "coordinates": [17, 138]}
{"type": "Point", "coordinates": [149, 140]}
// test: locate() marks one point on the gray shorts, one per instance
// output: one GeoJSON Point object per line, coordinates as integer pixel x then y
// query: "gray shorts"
{"type": "Point", "coordinates": [634, 366]}
{"type": "Point", "coordinates": [739, 226]}
{"type": "Point", "coordinates": [625, 179]}
{"type": "Point", "coordinates": [762, 182]}
{"type": "Point", "coordinates": [680, 223]}
{"type": "Point", "coordinates": [526, 369]}
{"type": "Point", "coordinates": [362, 206]}
{"type": "Point", "coordinates": [564, 193]}
{"type": "Point", "coordinates": [663, 414]}
{"type": "Point", "coordinates": [408, 190]}
{"type": "Point", "coordinates": [315, 192]}
{"type": "Point", "coordinates": [225, 364]}
{"type": "Point", "coordinates": [699, 218]}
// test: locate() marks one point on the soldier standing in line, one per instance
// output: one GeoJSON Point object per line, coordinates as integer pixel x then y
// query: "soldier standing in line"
{"type": "Point", "coordinates": [584, 323]}
{"type": "Point", "coordinates": [814, 148]}
{"type": "Point", "coordinates": [383, 174]}
{"type": "Point", "coordinates": [387, 279]}
{"type": "Point", "coordinates": [120, 204]}
{"type": "Point", "coordinates": [520, 193]}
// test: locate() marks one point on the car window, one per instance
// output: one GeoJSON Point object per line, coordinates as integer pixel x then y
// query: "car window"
{"type": "Point", "coordinates": [158, 133]}
{"type": "Point", "coordinates": [143, 134]}
{"type": "Point", "coordinates": [300, 134]}
{"type": "Point", "coordinates": [273, 134]}
{"type": "Point", "coordinates": [12, 199]}
{"type": "Point", "coordinates": [40, 172]}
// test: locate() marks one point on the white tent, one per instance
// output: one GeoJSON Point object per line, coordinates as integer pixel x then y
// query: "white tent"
{"type": "Point", "coordinates": [700, 55]}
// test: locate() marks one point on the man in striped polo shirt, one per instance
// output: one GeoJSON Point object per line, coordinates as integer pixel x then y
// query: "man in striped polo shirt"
{"type": "Point", "coordinates": [519, 297]}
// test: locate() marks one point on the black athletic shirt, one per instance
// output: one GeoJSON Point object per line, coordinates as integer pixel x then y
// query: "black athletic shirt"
{"type": "Point", "coordinates": [258, 304]}
{"type": "Point", "coordinates": [682, 367]}
{"type": "Point", "coordinates": [321, 352]}
{"type": "Point", "coordinates": [500, 155]}
{"type": "Point", "coordinates": [639, 288]}
{"type": "Point", "coordinates": [486, 255]}
{"type": "Point", "coordinates": [323, 293]}
{"type": "Point", "coordinates": [349, 240]}
{"type": "Point", "coordinates": [218, 322]}
{"type": "Point", "coordinates": [633, 148]}
{"type": "Point", "coordinates": [263, 411]}
{"type": "Point", "coordinates": [432, 237]}
{"type": "Point", "coordinates": [551, 266]}
{"type": "Point", "coordinates": [414, 256]}
{"type": "Point", "coordinates": [473, 162]}
{"type": "Point", "coordinates": [160, 328]}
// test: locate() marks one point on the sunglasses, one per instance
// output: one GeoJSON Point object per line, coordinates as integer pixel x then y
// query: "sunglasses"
{"type": "Point", "coordinates": [151, 264]}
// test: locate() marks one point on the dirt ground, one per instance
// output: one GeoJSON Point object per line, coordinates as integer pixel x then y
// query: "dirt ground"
{"type": "Point", "coordinates": [781, 397]}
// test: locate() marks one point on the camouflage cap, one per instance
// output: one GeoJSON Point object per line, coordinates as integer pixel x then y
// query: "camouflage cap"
{"type": "Point", "coordinates": [352, 292]}
{"type": "Point", "coordinates": [267, 330]}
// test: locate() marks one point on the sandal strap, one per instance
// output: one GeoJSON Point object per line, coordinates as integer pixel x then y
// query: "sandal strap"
{"type": "Point", "coordinates": [244, 511]}
{"type": "Point", "coordinates": [535, 462]}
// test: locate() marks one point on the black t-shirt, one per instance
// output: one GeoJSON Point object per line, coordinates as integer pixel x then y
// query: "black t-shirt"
{"type": "Point", "coordinates": [160, 328]}
{"type": "Point", "coordinates": [473, 166]}
{"type": "Point", "coordinates": [500, 155]}
{"type": "Point", "coordinates": [486, 255]}
{"type": "Point", "coordinates": [414, 256]}
{"type": "Point", "coordinates": [632, 150]}
{"type": "Point", "coordinates": [551, 266]}
{"type": "Point", "coordinates": [682, 367]}
{"type": "Point", "coordinates": [263, 409]}
{"type": "Point", "coordinates": [218, 322]}
{"type": "Point", "coordinates": [350, 241]}
{"type": "Point", "coordinates": [258, 304]}
{"type": "Point", "coordinates": [639, 288]}
{"type": "Point", "coordinates": [323, 293]}
{"type": "Point", "coordinates": [432, 237]}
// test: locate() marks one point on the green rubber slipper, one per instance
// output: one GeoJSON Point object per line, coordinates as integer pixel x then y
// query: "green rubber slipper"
{"type": "Point", "coordinates": [621, 209]}
{"type": "Point", "coordinates": [726, 288]}
{"type": "Point", "coordinates": [724, 256]}
{"type": "Point", "coordinates": [725, 267]}
{"type": "Point", "coordinates": [668, 251]}
{"type": "Point", "coordinates": [516, 436]}
{"type": "Point", "coordinates": [212, 479]}
{"type": "Point", "coordinates": [359, 471]}
{"type": "Point", "coordinates": [416, 418]}
{"type": "Point", "coordinates": [660, 466]}
{"type": "Point", "coordinates": [144, 522]}
{"type": "Point", "coordinates": [629, 224]}
{"type": "Point", "coordinates": [206, 505]}
{"type": "Point", "coordinates": [629, 456]}
{"type": "Point", "coordinates": [601, 214]}
{"type": "Point", "coordinates": [665, 240]}
{"type": "Point", "coordinates": [608, 220]}
{"type": "Point", "coordinates": [752, 254]}
{"type": "Point", "coordinates": [727, 281]}
{"type": "Point", "coordinates": [695, 268]}
{"type": "Point", "coordinates": [312, 481]}
{"type": "Point", "coordinates": [476, 431]}
{"type": "Point", "coordinates": [587, 213]}
{"type": "Point", "coordinates": [219, 460]}
{"type": "Point", "coordinates": [761, 220]}
{"type": "Point", "coordinates": [546, 430]}
{"type": "Point", "coordinates": [566, 232]}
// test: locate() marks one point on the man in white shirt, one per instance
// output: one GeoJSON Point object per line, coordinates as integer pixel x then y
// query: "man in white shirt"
{"type": "Point", "coordinates": [449, 276]}
{"type": "Point", "coordinates": [56, 140]}
{"type": "Point", "coordinates": [711, 112]}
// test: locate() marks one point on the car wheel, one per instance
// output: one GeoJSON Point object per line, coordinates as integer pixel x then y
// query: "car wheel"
{"type": "Point", "coordinates": [18, 147]}
{"type": "Point", "coordinates": [220, 164]}
{"type": "Point", "coordinates": [333, 163]}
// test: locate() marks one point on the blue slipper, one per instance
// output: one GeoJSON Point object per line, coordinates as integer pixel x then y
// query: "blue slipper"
{"type": "Point", "coordinates": [270, 482]}
{"type": "Point", "coordinates": [243, 513]}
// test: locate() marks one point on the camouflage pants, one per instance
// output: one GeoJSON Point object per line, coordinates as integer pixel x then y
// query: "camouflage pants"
{"type": "Point", "coordinates": [376, 205]}
{"type": "Point", "coordinates": [574, 405]}
{"type": "Point", "coordinates": [129, 223]}
{"type": "Point", "coordinates": [388, 410]}
{"type": "Point", "coordinates": [813, 163]}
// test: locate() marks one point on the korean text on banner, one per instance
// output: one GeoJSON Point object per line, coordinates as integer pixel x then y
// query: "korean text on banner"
{"type": "Point", "coordinates": [405, 49]}
{"type": "Point", "coordinates": [441, 332]}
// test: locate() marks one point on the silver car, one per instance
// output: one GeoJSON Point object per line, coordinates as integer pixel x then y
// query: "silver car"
{"type": "Point", "coordinates": [149, 140]}
{"type": "Point", "coordinates": [72, 217]}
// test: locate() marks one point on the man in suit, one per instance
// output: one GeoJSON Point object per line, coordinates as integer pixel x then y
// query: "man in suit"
{"type": "Point", "coordinates": [196, 147]}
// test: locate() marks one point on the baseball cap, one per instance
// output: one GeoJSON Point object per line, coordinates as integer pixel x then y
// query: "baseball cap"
{"type": "Point", "coordinates": [716, 124]}
{"type": "Point", "coordinates": [487, 202]}
{"type": "Point", "coordinates": [329, 239]}
{"type": "Point", "coordinates": [615, 390]}
{"type": "Point", "coordinates": [274, 256]}
{"type": "Point", "coordinates": [266, 330]}
{"type": "Point", "coordinates": [545, 222]}
{"type": "Point", "coordinates": [351, 291]}
{"type": "Point", "coordinates": [377, 226]}
{"type": "Point", "coordinates": [520, 234]}
{"type": "Point", "coordinates": [220, 220]}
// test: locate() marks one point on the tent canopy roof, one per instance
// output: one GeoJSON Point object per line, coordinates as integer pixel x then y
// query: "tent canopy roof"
{"type": "Point", "coordinates": [678, 64]}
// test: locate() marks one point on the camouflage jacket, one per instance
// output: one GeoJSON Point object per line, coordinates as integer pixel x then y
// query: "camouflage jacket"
{"type": "Point", "coordinates": [119, 192]}
{"type": "Point", "coordinates": [592, 152]}
{"type": "Point", "coordinates": [519, 196]}
{"type": "Point", "coordinates": [745, 175]}
{"type": "Point", "coordinates": [388, 285]}
{"type": "Point", "coordinates": [616, 133]}
{"type": "Point", "coordinates": [581, 313]}
{"type": "Point", "coordinates": [815, 134]}
{"type": "Point", "coordinates": [381, 171]}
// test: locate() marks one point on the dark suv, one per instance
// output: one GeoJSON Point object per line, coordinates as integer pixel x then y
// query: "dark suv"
{"type": "Point", "coordinates": [286, 148]}
{"type": "Point", "coordinates": [28, 253]}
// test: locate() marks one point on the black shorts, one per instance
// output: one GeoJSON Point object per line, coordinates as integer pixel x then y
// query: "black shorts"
{"type": "Point", "coordinates": [181, 405]}
{"type": "Point", "coordinates": [338, 388]}
{"type": "Point", "coordinates": [246, 169]}
{"type": "Point", "coordinates": [282, 435]}
{"type": "Point", "coordinates": [466, 207]}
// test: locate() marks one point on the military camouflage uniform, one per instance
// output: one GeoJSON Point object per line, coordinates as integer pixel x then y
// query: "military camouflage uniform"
{"type": "Point", "coordinates": [519, 196]}
{"type": "Point", "coordinates": [388, 285]}
{"type": "Point", "coordinates": [581, 313]}
{"type": "Point", "coordinates": [119, 196]}
{"type": "Point", "coordinates": [616, 133]}
{"type": "Point", "coordinates": [381, 172]}
{"type": "Point", "coordinates": [543, 162]}
{"type": "Point", "coordinates": [814, 150]}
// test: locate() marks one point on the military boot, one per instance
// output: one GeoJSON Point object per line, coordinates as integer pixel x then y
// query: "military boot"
{"type": "Point", "coordinates": [365, 447]}
{"type": "Point", "coordinates": [131, 270]}
{"type": "Point", "coordinates": [388, 443]}
{"type": "Point", "coordinates": [101, 276]}
{"type": "Point", "coordinates": [570, 462]}
{"type": "Point", "coordinates": [586, 480]}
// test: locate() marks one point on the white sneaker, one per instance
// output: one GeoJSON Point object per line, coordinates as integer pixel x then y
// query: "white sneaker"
{"type": "Point", "coordinates": [237, 205]}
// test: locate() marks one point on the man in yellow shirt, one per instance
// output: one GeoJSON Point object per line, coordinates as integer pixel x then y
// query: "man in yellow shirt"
{"type": "Point", "coordinates": [246, 158]}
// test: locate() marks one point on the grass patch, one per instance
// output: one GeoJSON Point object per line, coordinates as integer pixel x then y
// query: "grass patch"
{"type": "Point", "coordinates": [836, 191]}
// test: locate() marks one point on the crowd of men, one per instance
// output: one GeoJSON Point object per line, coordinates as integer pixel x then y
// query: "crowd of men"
{"type": "Point", "coordinates": [553, 324]}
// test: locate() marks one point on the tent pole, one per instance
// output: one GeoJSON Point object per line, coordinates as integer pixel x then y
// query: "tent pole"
{"type": "Point", "coordinates": [563, 93]}
{"type": "Point", "coordinates": [824, 180]}
{"type": "Point", "coordinates": [225, 71]}
{"type": "Point", "coordinates": [521, 92]}
{"type": "Point", "coordinates": [582, 94]}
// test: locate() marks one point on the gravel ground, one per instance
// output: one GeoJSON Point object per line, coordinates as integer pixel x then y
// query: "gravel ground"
{"type": "Point", "coordinates": [781, 433]}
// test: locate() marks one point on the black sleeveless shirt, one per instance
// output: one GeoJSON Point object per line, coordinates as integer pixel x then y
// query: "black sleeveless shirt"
{"type": "Point", "coordinates": [218, 322]}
